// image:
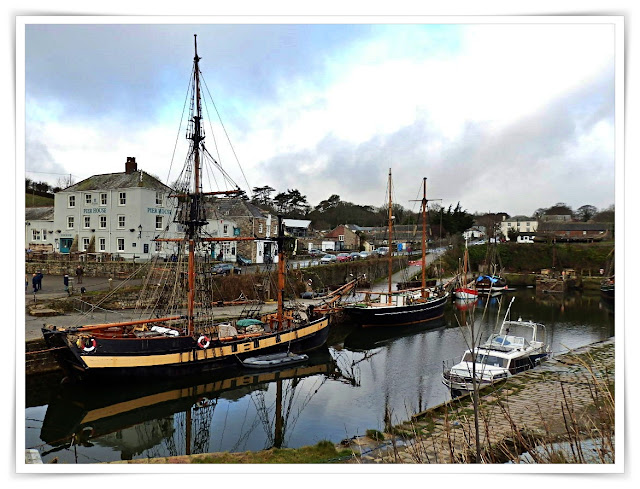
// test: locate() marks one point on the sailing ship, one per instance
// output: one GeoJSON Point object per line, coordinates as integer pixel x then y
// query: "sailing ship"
{"type": "Point", "coordinates": [177, 333]}
{"type": "Point", "coordinates": [465, 291]}
{"type": "Point", "coordinates": [404, 307]}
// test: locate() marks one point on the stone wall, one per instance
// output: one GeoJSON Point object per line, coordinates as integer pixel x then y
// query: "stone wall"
{"type": "Point", "coordinates": [38, 358]}
{"type": "Point", "coordinates": [113, 269]}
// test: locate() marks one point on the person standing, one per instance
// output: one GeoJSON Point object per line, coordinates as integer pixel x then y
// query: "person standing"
{"type": "Point", "coordinates": [65, 280]}
{"type": "Point", "coordinates": [39, 276]}
{"type": "Point", "coordinates": [34, 283]}
{"type": "Point", "coordinates": [79, 273]}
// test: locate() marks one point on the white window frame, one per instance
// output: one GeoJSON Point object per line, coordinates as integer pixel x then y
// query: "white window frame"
{"type": "Point", "coordinates": [87, 199]}
{"type": "Point", "coordinates": [159, 198]}
{"type": "Point", "coordinates": [70, 222]}
{"type": "Point", "coordinates": [159, 222]}
{"type": "Point", "coordinates": [158, 246]}
{"type": "Point", "coordinates": [120, 244]}
{"type": "Point", "coordinates": [102, 244]}
{"type": "Point", "coordinates": [71, 201]}
{"type": "Point", "coordinates": [103, 222]}
{"type": "Point", "coordinates": [341, 237]}
{"type": "Point", "coordinates": [44, 235]}
{"type": "Point", "coordinates": [225, 229]}
{"type": "Point", "coordinates": [85, 244]}
{"type": "Point", "coordinates": [260, 227]}
{"type": "Point", "coordinates": [87, 222]}
{"type": "Point", "coordinates": [35, 235]}
{"type": "Point", "coordinates": [122, 199]}
{"type": "Point", "coordinates": [103, 199]}
{"type": "Point", "coordinates": [122, 221]}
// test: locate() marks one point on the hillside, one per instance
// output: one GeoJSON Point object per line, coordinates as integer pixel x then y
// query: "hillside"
{"type": "Point", "coordinates": [38, 201]}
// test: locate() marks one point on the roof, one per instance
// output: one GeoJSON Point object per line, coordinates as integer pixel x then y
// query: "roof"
{"type": "Point", "coordinates": [236, 208]}
{"type": "Point", "coordinates": [38, 213]}
{"type": "Point", "coordinates": [111, 181]}
{"type": "Point", "coordinates": [520, 219]}
{"type": "Point", "coordinates": [573, 226]}
{"type": "Point", "coordinates": [296, 223]}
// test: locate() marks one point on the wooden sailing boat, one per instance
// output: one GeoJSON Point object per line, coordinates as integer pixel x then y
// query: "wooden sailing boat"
{"type": "Point", "coordinates": [176, 333]}
{"type": "Point", "coordinates": [466, 291]}
{"type": "Point", "coordinates": [405, 307]}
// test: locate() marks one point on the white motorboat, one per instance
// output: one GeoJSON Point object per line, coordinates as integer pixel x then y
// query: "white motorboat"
{"type": "Point", "coordinates": [518, 346]}
{"type": "Point", "coordinates": [274, 360]}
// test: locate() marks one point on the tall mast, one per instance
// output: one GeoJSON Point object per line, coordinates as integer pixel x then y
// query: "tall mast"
{"type": "Point", "coordinates": [194, 211]}
{"type": "Point", "coordinates": [390, 253]}
{"type": "Point", "coordinates": [424, 236]}
{"type": "Point", "coordinates": [281, 268]}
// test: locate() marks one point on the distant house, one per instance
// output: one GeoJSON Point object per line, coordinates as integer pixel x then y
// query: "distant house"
{"type": "Point", "coordinates": [556, 217]}
{"type": "Point", "coordinates": [297, 227]}
{"type": "Point", "coordinates": [39, 229]}
{"type": "Point", "coordinates": [247, 220]}
{"type": "Point", "coordinates": [521, 224]}
{"type": "Point", "coordinates": [344, 238]}
{"type": "Point", "coordinates": [573, 231]}
{"type": "Point", "coordinates": [475, 232]}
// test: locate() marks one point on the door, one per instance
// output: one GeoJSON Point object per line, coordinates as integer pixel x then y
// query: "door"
{"type": "Point", "coordinates": [65, 244]}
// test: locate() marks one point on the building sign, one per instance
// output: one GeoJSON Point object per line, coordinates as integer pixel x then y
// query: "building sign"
{"type": "Point", "coordinates": [156, 210]}
{"type": "Point", "coordinates": [95, 210]}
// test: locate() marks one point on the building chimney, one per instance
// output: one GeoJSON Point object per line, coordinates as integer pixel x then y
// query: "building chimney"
{"type": "Point", "coordinates": [130, 166]}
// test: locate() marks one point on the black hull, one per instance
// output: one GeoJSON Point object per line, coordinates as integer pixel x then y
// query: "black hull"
{"type": "Point", "coordinates": [176, 356]}
{"type": "Point", "coordinates": [397, 316]}
{"type": "Point", "coordinates": [608, 293]}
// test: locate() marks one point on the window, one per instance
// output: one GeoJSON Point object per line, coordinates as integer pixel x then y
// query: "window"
{"type": "Point", "coordinates": [158, 198]}
{"type": "Point", "coordinates": [103, 222]}
{"type": "Point", "coordinates": [158, 246]}
{"type": "Point", "coordinates": [341, 237]}
{"type": "Point", "coordinates": [102, 244]}
{"type": "Point", "coordinates": [121, 221]}
{"type": "Point", "coordinates": [70, 222]}
{"type": "Point", "coordinates": [87, 222]}
{"type": "Point", "coordinates": [225, 229]}
{"type": "Point", "coordinates": [36, 235]}
{"type": "Point", "coordinates": [122, 200]}
{"type": "Point", "coordinates": [260, 227]}
{"type": "Point", "coordinates": [158, 222]}
{"type": "Point", "coordinates": [85, 244]}
{"type": "Point", "coordinates": [103, 199]}
{"type": "Point", "coordinates": [120, 244]}
{"type": "Point", "coordinates": [44, 235]}
{"type": "Point", "coordinates": [87, 198]}
{"type": "Point", "coordinates": [72, 201]}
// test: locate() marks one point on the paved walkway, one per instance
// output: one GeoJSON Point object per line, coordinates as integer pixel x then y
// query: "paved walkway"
{"type": "Point", "coordinates": [537, 401]}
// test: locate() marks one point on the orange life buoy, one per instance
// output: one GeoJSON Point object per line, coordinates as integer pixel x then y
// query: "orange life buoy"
{"type": "Point", "coordinates": [203, 342]}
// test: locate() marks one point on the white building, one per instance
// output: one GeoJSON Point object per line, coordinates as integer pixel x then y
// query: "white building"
{"type": "Point", "coordinates": [522, 224]}
{"type": "Point", "coordinates": [117, 213]}
{"type": "Point", "coordinates": [39, 229]}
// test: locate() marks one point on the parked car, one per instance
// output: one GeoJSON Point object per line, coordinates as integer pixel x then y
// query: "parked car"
{"type": "Point", "coordinates": [328, 258]}
{"type": "Point", "coordinates": [364, 254]}
{"type": "Point", "coordinates": [242, 261]}
{"type": "Point", "coordinates": [314, 252]}
{"type": "Point", "coordinates": [225, 269]}
{"type": "Point", "coordinates": [343, 257]}
{"type": "Point", "coordinates": [354, 256]}
{"type": "Point", "coordinates": [383, 250]}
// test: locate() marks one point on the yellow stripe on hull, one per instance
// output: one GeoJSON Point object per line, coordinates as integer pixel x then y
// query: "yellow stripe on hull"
{"type": "Point", "coordinates": [121, 361]}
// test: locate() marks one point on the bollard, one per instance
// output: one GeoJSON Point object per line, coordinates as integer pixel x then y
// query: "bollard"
{"type": "Point", "coordinates": [110, 283]}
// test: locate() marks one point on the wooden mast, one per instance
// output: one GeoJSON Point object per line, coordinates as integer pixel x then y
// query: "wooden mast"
{"type": "Point", "coordinates": [281, 270]}
{"type": "Point", "coordinates": [195, 203]}
{"type": "Point", "coordinates": [424, 236]}
{"type": "Point", "coordinates": [390, 253]}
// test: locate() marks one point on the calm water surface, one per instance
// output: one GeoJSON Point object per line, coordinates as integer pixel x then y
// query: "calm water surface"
{"type": "Point", "coordinates": [361, 379]}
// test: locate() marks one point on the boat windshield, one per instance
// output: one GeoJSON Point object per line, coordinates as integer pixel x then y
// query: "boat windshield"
{"type": "Point", "coordinates": [484, 359]}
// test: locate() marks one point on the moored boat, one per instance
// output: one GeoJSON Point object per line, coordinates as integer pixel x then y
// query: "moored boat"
{"type": "Point", "coordinates": [177, 333]}
{"type": "Point", "coordinates": [275, 360]}
{"type": "Point", "coordinates": [518, 346]}
{"type": "Point", "coordinates": [404, 307]}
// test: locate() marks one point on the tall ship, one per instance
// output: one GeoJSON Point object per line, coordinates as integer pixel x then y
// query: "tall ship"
{"type": "Point", "coordinates": [404, 307]}
{"type": "Point", "coordinates": [175, 331]}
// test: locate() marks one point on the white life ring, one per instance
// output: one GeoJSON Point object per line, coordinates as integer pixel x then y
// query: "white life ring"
{"type": "Point", "coordinates": [83, 345]}
{"type": "Point", "coordinates": [203, 342]}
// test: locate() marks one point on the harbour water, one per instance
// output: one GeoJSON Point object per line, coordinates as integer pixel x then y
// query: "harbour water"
{"type": "Point", "coordinates": [362, 380]}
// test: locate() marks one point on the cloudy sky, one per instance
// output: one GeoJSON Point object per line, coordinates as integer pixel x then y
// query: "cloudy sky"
{"type": "Point", "coordinates": [498, 116]}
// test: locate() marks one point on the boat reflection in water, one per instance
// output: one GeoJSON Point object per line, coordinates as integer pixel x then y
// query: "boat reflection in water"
{"type": "Point", "coordinates": [168, 418]}
{"type": "Point", "coordinates": [367, 339]}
